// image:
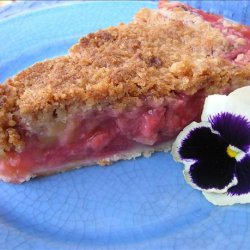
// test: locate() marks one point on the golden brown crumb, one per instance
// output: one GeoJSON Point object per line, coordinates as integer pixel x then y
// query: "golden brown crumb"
{"type": "Point", "coordinates": [152, 56]}
{"type": "Point", "coordinates": [104, 162]}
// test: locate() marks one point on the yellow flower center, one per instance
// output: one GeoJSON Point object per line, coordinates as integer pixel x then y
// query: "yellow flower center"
{"type": "Point", "coordinates": [231, 152]}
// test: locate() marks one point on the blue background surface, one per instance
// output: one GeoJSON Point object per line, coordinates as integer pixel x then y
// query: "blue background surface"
{"type": "Point", "coordinates": [140, 204]}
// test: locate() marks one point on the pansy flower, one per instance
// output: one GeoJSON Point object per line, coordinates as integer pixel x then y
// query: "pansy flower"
{"type": "Point", "coordinates": [216, 151]}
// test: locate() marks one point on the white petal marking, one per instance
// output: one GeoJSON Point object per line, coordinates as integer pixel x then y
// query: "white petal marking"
{"type": "Point", "coordinates": [225, 199]}
{"type": "Point", "coordinates": [213, 105]}
{"type": "Point", "coordinates": [237, 103]}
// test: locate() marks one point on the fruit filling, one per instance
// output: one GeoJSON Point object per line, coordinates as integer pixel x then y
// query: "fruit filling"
{"type": "Point", "coordinates": [101, 134]}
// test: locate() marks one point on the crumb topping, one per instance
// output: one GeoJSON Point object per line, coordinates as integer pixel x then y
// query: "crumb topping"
{"type": "Point", "coordinates": [156, 55]}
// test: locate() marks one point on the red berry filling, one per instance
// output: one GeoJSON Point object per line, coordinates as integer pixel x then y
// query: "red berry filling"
{"type": "Point", "coordinates": [100, 135]}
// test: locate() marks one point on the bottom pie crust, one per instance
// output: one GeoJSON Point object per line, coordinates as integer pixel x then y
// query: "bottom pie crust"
{"type": "Point", "coordinates": [145, 151]}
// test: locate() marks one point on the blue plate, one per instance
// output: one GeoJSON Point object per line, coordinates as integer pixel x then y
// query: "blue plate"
{"type": "Point", "coordinates": [137, 204]}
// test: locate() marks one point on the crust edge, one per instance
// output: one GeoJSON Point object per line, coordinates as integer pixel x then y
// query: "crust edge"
{"type": "Point", "coordinates": [142, 151]}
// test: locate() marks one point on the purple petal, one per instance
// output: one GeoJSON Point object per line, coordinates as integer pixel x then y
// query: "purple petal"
{"type": "Point", "coordinates": [240, 193]}
{"type": "Point", "coordinates": [235, 129]}
{"type": "Point", "coordinates": [201, 143]}
{"type": "Point", "coordinates": [215, 173]}
{"type": "Point", "coordinates": [243, 176]}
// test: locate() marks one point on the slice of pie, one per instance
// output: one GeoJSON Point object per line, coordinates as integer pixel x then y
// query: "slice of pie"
{"type": "Point", "coordinates": [121, 92]}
